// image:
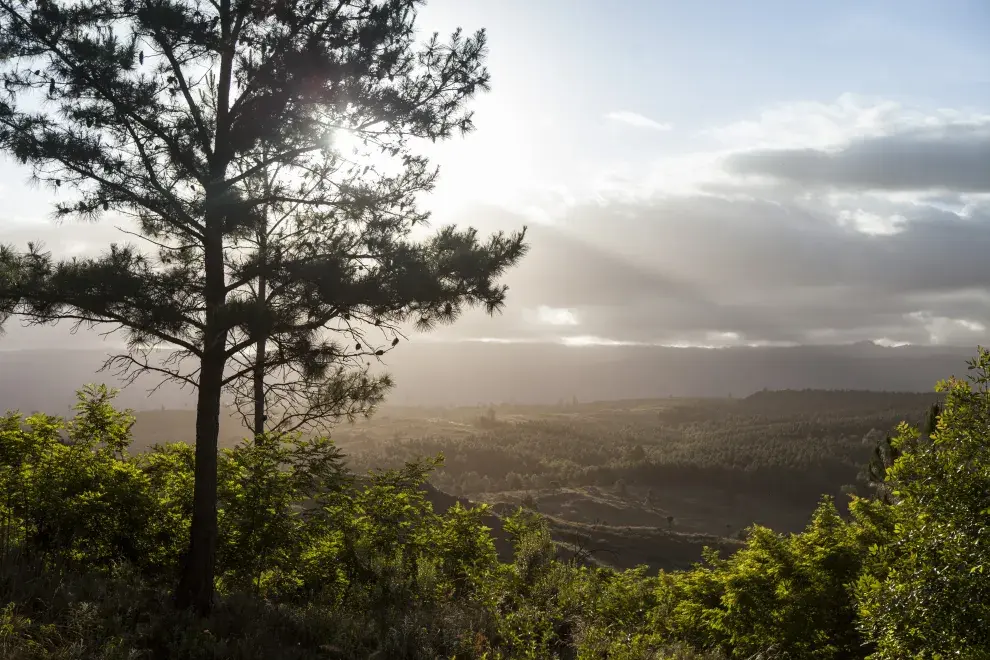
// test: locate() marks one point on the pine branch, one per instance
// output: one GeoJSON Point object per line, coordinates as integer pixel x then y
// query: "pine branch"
{"type": "Point", "coordinates": [194, 109]}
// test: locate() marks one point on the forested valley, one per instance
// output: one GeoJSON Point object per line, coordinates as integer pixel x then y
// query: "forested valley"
{"type": "Point", "coordinates": [327, 561]}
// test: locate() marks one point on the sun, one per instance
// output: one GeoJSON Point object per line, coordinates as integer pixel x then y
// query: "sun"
{"type": "Point", "coordinates": [346, 142]}
{"type": "Point", "coordinates": [361, 150]}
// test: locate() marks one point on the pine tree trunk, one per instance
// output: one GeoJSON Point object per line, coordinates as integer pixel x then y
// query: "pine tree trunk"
{"type": "Point", "coordinates": [259, 388]}
{"type": "Point", "coordinates": [196, 584]}
{"type": "Point", "coordinates": [260, 355]}
{"type": "Point", "coordinates": [259, 358]}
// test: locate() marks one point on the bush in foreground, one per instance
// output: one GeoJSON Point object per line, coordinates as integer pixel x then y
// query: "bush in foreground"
{"type": "Point", "coordinates": [315, 562]}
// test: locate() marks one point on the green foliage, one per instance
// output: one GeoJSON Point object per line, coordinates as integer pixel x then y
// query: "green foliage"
{"type": "Point", "coordinates": [927, 590]}
{"type": "Point", "coordinates": [790, 595]}
{"type": "Point", "coordinates": [315, 562]}
{"type": "Point", "coordinates": [69, 497]}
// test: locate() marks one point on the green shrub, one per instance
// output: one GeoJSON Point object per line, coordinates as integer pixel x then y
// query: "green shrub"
{"type": "Point", "coordinates": [315, 562]}
{"type": "Point", "coordinates": [926, 592]}
{"type": "Point", "coordinates": [71, 497]}
{"type": "Point", "coordinates": [789, 595]}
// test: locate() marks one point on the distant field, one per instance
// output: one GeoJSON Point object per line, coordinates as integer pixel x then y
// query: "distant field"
{"type": "Point", "coordinates": [649, 480]}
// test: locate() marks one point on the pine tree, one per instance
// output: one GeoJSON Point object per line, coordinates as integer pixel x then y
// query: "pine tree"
{"type": "Point", "coordinates": [165, 112]}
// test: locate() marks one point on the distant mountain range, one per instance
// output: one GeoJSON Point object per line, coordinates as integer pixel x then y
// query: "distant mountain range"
{"type": "Point", "coordinates": [469, 373]}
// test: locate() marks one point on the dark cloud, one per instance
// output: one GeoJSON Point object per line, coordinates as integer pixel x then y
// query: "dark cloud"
{"type": "Point", "coordinates": [954, 158]}
{"type": "Point", "coordinates": [684, 268]}
{"type": "Point", "coordinates": [578, 270]}
{"type": "Point", "coordinates": [681, 269]}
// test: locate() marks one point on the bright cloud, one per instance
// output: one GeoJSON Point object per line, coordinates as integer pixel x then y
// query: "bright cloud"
{"type": "Point", "coordinates": [854, 144]}
{"type": "Point", "coordinates": [724, 336]}
{"type": "Point", "coordinates": [821, 223]}
{"type": "Point", "coordinates": [946, 330]}
{"type": "Point", "coordinates": [871, 223]}
{"type": "Point", "coordinates": [588, 340]}
{"type": "Point", "coordinates": [886, 342]}
{"type": "Point", "coordinates": [823, 125]}
{"type": "Point", "coordinates": [555, 316]}
{"type": "Point", "coordinates": [637, 120]}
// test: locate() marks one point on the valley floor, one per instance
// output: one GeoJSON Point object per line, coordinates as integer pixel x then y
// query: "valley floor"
{"type": "Point", "coordinates": [643, 481]}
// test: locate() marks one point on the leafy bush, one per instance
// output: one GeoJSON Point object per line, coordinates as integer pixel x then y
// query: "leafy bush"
{"type": "Point", "coordinates": [788, 595]}
{"type": "Point", "coordinates": [315, 562]}
{"type": "Point", "coordinates": [70, 495]}
{"type": "Point", "coordinates": [926, 592]}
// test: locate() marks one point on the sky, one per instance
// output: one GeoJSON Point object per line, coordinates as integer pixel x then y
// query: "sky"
{"type": "Point", "coordinates": [709, 173]}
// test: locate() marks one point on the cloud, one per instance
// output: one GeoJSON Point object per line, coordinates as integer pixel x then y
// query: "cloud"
{"type": "Point", "coordinates": [954, 158]}
{"type": "Point", "coordinates": [588, 340]}
{"type": "Point", "coordinates": [822, 125]}
{"type": "Point", "coordinates": [940, 328]}
{"type": "Point", "coordinates": [750, 242]}
{"type": "Point", "coordinates": [853, 146]}
{"type": "Point", "coordinates": [637, 120]}
{"type": "Point", "coordinates": [555, 316]}
{"type": "Point", "coordinates": [871, 223]}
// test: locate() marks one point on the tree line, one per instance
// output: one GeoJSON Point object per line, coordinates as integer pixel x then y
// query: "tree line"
{"type": "Point", "coordinates": [797, 445]}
